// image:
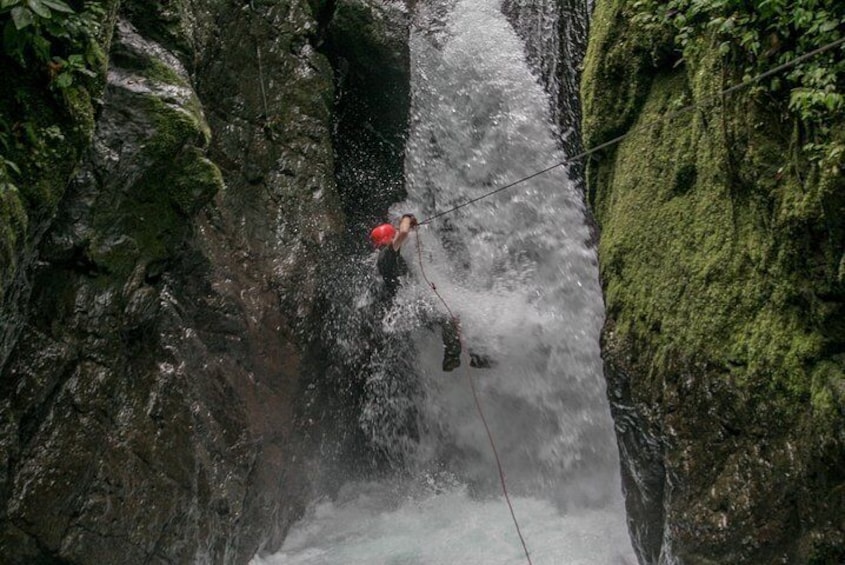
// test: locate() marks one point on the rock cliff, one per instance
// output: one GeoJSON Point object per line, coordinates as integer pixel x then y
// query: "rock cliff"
{"type": "Point", "coordinates": [722, 238]}
{"type": "Point", "coordinates": [165, 246]}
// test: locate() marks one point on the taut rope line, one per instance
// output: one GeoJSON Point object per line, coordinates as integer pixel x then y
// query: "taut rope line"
{"type": "Point", "coordinates": [666, 117]}
{"type": "Point", "coordinates": [475, 398]}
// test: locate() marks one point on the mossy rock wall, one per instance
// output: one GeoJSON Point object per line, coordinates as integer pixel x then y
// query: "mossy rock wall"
{"type": "Point", "coordinates": [45, 130]}
{"type": "Point", "coordinates": [721, 251]}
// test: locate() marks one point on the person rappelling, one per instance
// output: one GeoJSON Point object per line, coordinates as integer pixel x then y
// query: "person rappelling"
{"type": "Point", "coordinates": [391, 266]}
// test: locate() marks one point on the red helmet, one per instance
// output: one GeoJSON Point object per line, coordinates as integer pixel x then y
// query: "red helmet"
{"type": "Point", "coordinates": [382, 235]}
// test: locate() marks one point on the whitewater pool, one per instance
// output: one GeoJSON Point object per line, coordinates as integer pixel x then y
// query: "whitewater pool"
{"type": "Point", "coordinates": [389, 524]}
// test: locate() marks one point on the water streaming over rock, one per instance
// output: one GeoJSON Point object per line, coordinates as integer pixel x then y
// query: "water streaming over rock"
{"type": "Point", "coordinates": [519, 272]}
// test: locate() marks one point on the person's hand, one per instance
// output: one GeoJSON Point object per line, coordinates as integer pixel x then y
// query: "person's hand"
{"type": "Point", "coordinates": [414, 222]}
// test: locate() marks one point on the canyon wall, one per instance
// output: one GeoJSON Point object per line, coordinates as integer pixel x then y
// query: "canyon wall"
{"type": "Point", "coordinates": [722, 238]}
{"type": "Point", "coordinates": [169, 226]}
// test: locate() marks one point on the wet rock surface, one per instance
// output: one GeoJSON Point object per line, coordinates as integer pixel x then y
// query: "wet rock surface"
{"type": "Point", "coordinates": [152, 396]}
{"type": "Point", "coordinates": [555, 36]}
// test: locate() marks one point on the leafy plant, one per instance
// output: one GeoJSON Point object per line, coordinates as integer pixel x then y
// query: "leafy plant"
{"type": "Point", "coordinates": [758, 35]}
{"type": "Point", "coordinates": [52, 34]}
{"type": "Point", "coordinates": [24, 30]}
{"type": "Point", "coordinates": [25, 12]}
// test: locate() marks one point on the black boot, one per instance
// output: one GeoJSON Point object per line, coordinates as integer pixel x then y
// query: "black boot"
{"type": "Point", "coordinates": [451, 346]}
{"type": "Point", "coordinates": [480, 361]}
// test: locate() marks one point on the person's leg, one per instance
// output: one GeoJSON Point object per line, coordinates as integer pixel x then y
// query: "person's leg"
{"type": "Point", "coordinates": [480, 360]}
{"type": "Point", "coordinates": [451, 344]}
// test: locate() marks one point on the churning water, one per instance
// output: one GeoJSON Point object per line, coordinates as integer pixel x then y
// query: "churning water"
{"type": "Point", "coordinates": [519, 272]}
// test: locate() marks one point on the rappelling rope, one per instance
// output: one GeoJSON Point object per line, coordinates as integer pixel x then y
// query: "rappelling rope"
{"type": "Point", "coordinates": [666, 117]}
{"type": "Point", "coordinates": [260, 69]}
{"type": "Point", "coordinates": [457, 324]}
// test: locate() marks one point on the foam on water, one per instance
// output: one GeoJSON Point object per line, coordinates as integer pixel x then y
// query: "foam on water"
{"type": "Point", "coordinates": [368, 526]}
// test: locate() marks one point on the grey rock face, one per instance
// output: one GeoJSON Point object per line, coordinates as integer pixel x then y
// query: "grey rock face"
{"type": "Point", "coordinates": [113, 455]}
{"type": "Point", "coordinates": [152, 406]}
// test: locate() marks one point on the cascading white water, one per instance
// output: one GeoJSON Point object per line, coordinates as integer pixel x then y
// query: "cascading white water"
{"type": "Point", "coordinates": [518, 270]}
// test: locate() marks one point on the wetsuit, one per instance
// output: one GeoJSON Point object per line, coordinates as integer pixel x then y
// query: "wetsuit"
{"type": "Point", "coordinates": [391, 266]}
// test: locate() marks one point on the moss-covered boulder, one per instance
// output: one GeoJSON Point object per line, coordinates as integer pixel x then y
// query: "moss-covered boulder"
{"type": "Point", "coordinates": [722, 238]}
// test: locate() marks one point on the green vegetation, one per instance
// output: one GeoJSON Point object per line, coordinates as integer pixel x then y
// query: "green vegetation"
{"type": "Point", "coordinates": [722, 257]}
{"type": "Point", "coordinates": [49, 39]}
{"type": "Point", "coordinates": [756, 36]}
{"type": "Point", "coordinates": [51, 34]}
{"type": "Point", "coordinates": [722, 229]}
{"type": "Point", "coordinates": [56, 53]}
{"type": "Point", "coordinates": [53, 60]}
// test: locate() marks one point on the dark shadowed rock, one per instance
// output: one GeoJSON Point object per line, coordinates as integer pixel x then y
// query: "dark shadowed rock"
{"type": "Point", "coordinates": [555, 36]}
{"type": "Point", "coordinates": [153, 384]}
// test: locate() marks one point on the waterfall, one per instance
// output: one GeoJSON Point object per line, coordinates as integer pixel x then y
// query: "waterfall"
{"type": "Point", "coordinates": [519, 272]}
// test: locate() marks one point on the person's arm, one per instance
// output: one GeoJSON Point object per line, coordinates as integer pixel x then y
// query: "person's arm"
{"type": "Point", "coordinates": [406, 224]}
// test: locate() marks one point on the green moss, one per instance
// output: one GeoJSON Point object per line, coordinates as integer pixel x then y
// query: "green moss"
{"type": "Point", "coordinates": [45, 137]}
{"type": "Point", "coordinates": [160, 72]}
{"type": "Point", "coordinates": [175, 126]}
{"type": "Point", "coordinates": [721, 256]}
{"type": "Point", "coordinates": [624, 57]}
{"type": "Point", "coordinates": [148, 66]}
{"type": "Point", "coordinates": [197, 182]}
{"type": "Point", "coordinates": [721, 237]}
{"type": "Point", "coordinates": [119, 255]}
{"type": "Point", "coordinates": [13, 224]}
{"type": "Point", "coordinates": [182, 132]}
{"type": "Point", "coordinates": [151, 222]}
{"type": "Point", "coordinates": [828, 390]}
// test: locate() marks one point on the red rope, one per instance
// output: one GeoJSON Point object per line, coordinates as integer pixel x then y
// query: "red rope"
{"type": "Point", "coordinates": [457, 323]}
